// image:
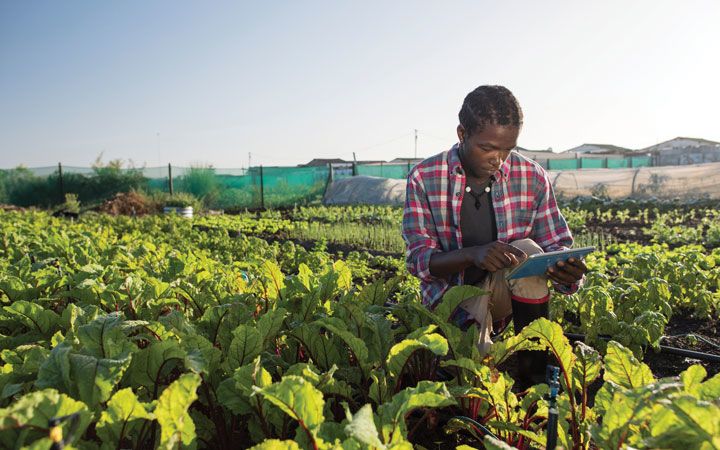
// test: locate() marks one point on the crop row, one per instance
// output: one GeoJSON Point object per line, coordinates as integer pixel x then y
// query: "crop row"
{"type": "Point", "coordinates": [148, 332]}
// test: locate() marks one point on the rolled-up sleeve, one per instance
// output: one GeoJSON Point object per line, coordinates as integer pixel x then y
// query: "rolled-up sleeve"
{"type": "Point", "coordinates": [550, 230]}
{"type": "Point", "coordinates": [418, 229]}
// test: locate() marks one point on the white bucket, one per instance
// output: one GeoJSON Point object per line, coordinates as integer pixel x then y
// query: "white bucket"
{"type": "Point", "coordinates": [186, 211]}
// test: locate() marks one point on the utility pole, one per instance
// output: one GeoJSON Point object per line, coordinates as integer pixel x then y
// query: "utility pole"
{"type": "Point", "coordinates": [249, 160]}
{"type": "Point", "coordinates": [416, 144]}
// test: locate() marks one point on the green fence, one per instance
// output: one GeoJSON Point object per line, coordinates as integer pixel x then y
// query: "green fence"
{"type": "Point", "coordinates": [399, 171]}
{"type": "Point", "coordinates": [598, 163]}
{"type": "Point", "coordinates": [217, 188]}
{"type": "Point", "coordinates": [228, 189]}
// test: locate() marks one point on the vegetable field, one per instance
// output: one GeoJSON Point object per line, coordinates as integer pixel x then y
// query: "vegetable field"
{"type": "Point", "coordinates": [301, 329]}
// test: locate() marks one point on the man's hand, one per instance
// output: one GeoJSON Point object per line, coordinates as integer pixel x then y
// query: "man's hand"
{"type": "Point", "coordinates": [567, 273]}
{"type": "Point", "coordinates": [495, 256]}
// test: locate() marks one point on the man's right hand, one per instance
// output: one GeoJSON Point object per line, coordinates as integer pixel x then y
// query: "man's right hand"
{"type": "Point", "coordinates": [495, 256]}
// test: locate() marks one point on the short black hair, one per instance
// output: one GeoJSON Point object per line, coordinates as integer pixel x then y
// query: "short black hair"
{"type": "Point", "coordinates": [489, 105]}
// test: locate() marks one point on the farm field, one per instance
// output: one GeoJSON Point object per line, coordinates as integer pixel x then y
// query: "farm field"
{"type": "Point", "coordinates": [301, 328]}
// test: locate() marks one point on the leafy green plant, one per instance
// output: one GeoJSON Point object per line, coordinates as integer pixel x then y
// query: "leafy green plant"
{"type": "Point", "coordinates": [180, 200]}
{"type": "Point", "coordinates": [157, 333]}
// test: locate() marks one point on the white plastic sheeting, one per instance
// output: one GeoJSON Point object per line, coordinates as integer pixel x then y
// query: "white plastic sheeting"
{"type": "Point", "coordinates": [362, 190]}
{"type": "Point", "coordinates": [685, 182]}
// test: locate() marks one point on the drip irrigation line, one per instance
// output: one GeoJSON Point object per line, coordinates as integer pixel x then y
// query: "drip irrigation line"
{"type": "Point", "coordinates": [696, 336]}
{"type": "Point", "coordinates": [663, 349]}
{"type": "Point", "coordinates": [478, 425]}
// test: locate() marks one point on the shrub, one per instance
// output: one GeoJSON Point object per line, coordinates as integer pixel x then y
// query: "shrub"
{"type": "Point", "coordinates": [177, 200]}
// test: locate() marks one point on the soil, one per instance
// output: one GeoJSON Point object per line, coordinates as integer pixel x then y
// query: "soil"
{"type": "Point", "coordinates": [664, 364]}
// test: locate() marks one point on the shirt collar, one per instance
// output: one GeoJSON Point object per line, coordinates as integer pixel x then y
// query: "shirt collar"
{"type": "Point", "coordinates": [455, 166]}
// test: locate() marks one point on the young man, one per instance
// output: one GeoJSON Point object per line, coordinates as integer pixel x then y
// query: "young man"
{"type": "Point", "coordinates": [476, 210]}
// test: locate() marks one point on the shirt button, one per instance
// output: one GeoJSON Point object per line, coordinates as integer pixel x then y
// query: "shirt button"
{"type": "Point", "coordinates": [457, 194]}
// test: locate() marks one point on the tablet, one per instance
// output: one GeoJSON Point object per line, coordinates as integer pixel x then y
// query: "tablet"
{"type": "Point", "coordinates": [539, 263]}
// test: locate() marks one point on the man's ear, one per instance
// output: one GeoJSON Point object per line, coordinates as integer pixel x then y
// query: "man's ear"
{"type": "Point", "coordinates": [461, 133]}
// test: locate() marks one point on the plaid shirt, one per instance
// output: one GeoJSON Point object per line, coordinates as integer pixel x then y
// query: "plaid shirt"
{"type": "Point", "coordinates": [524, 206]}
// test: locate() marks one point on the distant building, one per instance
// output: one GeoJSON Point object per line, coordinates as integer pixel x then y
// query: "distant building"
{"type": "Point", "coordinates": [317, 162]}
{"type": "Point", "coordinates": [412, 161]}
{"type": "Point", "coordinates": [538, 155]}
{"type": "Point", "coordinates": [599, 149]}
{"type": "Point", "coordinates": [336, 162]}
{"type": "Point", "coordinates": [682, 151]}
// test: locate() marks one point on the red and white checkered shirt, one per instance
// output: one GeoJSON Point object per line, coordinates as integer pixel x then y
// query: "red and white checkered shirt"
{"type": "Point", "coordinates": [523, 202]}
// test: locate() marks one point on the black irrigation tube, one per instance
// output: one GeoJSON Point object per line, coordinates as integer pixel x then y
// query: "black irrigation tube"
{"type": "Point", "coordinates": [663, 349]}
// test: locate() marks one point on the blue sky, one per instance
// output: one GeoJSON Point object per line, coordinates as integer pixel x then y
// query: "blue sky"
{"type": "Point", "coordinates": [208, 82]}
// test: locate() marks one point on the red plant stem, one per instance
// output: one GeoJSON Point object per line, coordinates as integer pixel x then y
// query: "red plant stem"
{"type": "Point", "coordinates": [574, 426]}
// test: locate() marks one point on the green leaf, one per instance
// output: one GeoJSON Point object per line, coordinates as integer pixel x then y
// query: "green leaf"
{"type": "Point", "coordinates": [218, 322]}
{"type": "Point", "coordinates": [379, 391]}
{"type": "Point", "coordinates": [271, 280]}
{"type": "Point", "coordinates": [323, 349]}
{"type": "Point", "coordinates": [339, 329]}
{"type": "Point", "coordinates": [361, 426]}
{"type": "Point", "coordinates": [276, 444]}
{"type": "Point", "coordinates": [686, 422]}
{"type": "Point", "coordinates": [150, 365]}
{"type": "Point", "coordinates": [453, 298]}
{"type": "Point", "coordinates": [176, 425]}
{"type": "Point", "coordinates": [33, 411]}
{"type": "Point", "coordinates": [623, 369]}
{"type": "Point", "coordinates": [587, 367]}
{"type": "Point", "coordinates": [378, 292]}
{"type": "Point", "coordinates": [426, 394]}
{"type": "Point", "coordinates": [86, 377]}
{"type": "Point", "coordinates": [247, 343]}
{"type": "Point", "coordinates": [492, 443]}
{"type": "Point", "coordinates": [73, 316]}
{"type": "Point", "coordinates": [501, 350]}
{"type": "Point", "coordinates": [441, 318]}
{"type": "Point", "coordinates": [270, 324]}
{"type": "Point", "coordinates": [204, 427]}
{"type": "Point", "coordinates": [628, 410]}
{"type": "Point", "coordinates": [297, 398]}
{"type": "Point", "coordinates": [550, 334]}
{"type": "Point", "coordinates": [692, 379]}
{"type": "Point", "coordinates": [104, 337]}
{"type": "Point", "coordinates": [121, 417]}
{"type": "Point", "coordinates": [307, 371]}
{"type": "Point", "coordinates": [33, 316]}
{"type": "Point", "coordinates": [710, 390]}
{"type": "Point", "coordinates": [401, 352]}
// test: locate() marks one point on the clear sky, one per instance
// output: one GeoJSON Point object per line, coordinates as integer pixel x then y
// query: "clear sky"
{"type": "Point", "coordinates": [194, 82]}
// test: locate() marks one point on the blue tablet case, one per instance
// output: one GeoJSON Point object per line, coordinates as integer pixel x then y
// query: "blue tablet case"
{"type": "Point", "coordinates": [539, 263]}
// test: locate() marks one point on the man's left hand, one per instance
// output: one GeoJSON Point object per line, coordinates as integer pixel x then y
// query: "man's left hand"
{"type": "Point", "coordinates": [567, 272]}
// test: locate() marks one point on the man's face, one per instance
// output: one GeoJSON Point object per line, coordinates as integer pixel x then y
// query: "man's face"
{"type": "Point", "coordinates": [483, 152]}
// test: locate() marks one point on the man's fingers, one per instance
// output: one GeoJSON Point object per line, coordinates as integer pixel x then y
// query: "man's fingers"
{"type": "Point", "coordinates": [579, 263]}
{"type": "Point", "coordinates": [560, 277]}
{"type": "Point", "coordinates": [500, 256]}
{"type": "Point", "coordinates": [564, 273]}
{"type": "Point", "coordinates": [492, 263]}
{"type": "Point", "coordinates": [513, 250]}
{"type": "Point", "coordinates": [573, 266]}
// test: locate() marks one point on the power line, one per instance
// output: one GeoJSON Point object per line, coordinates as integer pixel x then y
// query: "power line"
{"type": "Point", "coordinates": [389, 141]}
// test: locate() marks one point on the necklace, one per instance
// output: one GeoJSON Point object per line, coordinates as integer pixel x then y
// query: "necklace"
{"type": "Point", "coordinates": [477, 196]}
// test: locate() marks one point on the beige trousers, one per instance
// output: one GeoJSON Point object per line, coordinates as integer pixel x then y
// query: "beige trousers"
{"type": "Point", "coordinates": [497, 305]}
